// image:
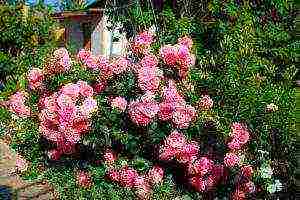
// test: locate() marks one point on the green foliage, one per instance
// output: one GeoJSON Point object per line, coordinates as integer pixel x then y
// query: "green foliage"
{"type": "Point", "coordinates": [25, 38]}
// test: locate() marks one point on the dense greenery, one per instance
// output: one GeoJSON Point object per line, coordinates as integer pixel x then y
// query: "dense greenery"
{"type": "Point", "coordinates": [246, 59]}
{"type": "Point", "coordinates": [27, 36]}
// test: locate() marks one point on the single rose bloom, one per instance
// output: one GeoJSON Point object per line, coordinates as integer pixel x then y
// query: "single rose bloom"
{"type": "Point", "coordinates": [188, 153]}
{"type": "Point", "coordinates": [167, 153]}
{"type": "Point", "coordinates": [83, 179]}
{"type": "Point", "coordinates": [169, 55]}
{"type": "Point", "coordinates": [183, 116]}
{"type": "Point", "coordinates": [231, 160]}
{"type": "Point", "coordinates": [156, 175]}
{"type": "Point", "coordinates": [35, 78]}
{"type": "Point", "coordinates": [85, 89]}
{"type": "Point", "coordinates": [201, 166]}
{"type": "Point", "coordinates": [100, 86]}
{"type": "Point", "coordinates": [247, 171]}
{"type": "Point", "coordinates": [175, 140]}
{"type": "Point", "coordinates": [16, 104]}
{"type": "Point", "coordinates": [109, 157]}
{"type": "Point", "coordinates": [206, 102]}
{"type": "Point", "coordinates": [128, 177]}
{"type": "Point", "coordinates": [249, 187]}
{"type": "Point", "coordinates": [113, 175]}
{"type": "Point", "coordinates": [165, 111]}
{"type": "Point", "coordinates": [185, 41]}
{"type": "Point", "coordinates": [119, 103]}
{"type": "Point", "coordinates": [143, 111]}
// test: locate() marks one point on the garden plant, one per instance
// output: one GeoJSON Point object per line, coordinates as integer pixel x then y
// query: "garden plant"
{"type": "Point", "coordinates": [194, 110]}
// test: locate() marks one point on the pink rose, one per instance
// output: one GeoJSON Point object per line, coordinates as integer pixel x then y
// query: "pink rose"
{"type": "Point", "coordinates": [183, 115]}
{"type": "Point", "coordinates": [188, 153]}
{"type": "Point", "coordinates": [84, 179]}
{"type": "Point", "coordinates": [114, 175]}
{"type": "Point", "coordinates": [175, 140]}
{"type": "Point", "coordinates": [156, 175]}
{"type": "Point", "coordinates": [198, 183]}
{"type": "Point", "coordinates": [169, 55]}
{"type": "Point", "coordinates": [54, 154]}
{"type": "Point", "coordinates": [231, 160]}
{"type": "Point", "coordinates": [109, 157]}
{"type": "Point", "coordinates": [89, 105]}
{"type": "Point", "coordinates": [142, 188]}
{"type": "Point", "coordinates": [249, 187]}
{"type": "Point", "coordinates": [99, 86]}
{"type": "Point", "coordinates": [128, 177]}
{"type": "Point", "coordinates": [165, 111]}
{"type": "Point", "coordinates": [185, 41]}
{"type": "Point", "coordinates": [16, 104]}
{"type": "Point", "coordinates": [85, 89]}
{"type": "Point", "coordinates": [171, 95]}
{"type": "Point", "coordinates": [206, 102]}
{"type": "Point", "coordinates": [119, 103]}
{"type": "Point", "coordinates": [201, 166]}
{"type": "Point", "coordinates": [142, 111]}
{"type": "Point", "coordinates": [35, 78]}
{"type": "Point", "coordinates": [167, 153]}
{"type": "Point", "coordinates": [71, 90]}
{"type": "Point", "coordinates": [247, 171]}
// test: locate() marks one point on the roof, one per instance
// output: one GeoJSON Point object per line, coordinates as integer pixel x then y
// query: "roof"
{"type": "Point", "coordinates": [91, 14]}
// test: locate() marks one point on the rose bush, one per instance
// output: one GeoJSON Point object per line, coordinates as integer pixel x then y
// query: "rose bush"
{"type": "Point", "coordinates": [127, 126]}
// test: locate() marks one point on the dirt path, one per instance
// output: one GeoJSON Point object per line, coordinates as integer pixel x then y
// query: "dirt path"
{"type": "Point", "coordinates": [20, 189]}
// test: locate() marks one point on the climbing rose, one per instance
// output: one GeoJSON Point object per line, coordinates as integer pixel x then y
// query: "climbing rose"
{"type": "Point", "coordinates": [83, 179]}
{"type": "Point", "coordinates": [201, 166]}
{"type": "Point", "coordinates": [16, 104]}
{"type": "Point", "coordinates": [143, 111]}
{"type": "Point", "coordinates": [239, 134]}
{"type": "Point", "coordinates": [114, 175]}
{"type": "Point", "coordinates": [169, 55]}
{"type": "Point", "coordinates": [231, 160]}
{"type": "Point", "coordinates": [206, 102]}
{"type": "Point", "coordinates": [128, 177]}
{"type": "Point", "coordinates": [35, 78]}
{"type": "Point", "coordinates": [185, 41]}
{"type": "Point", "coordinates": [119, 103]}
{"type": "Point", "coordinates": [156, 175]}
{"type": "Point", "coordinates": [247, 171]}
{"type": "Point", "coordinates": [249, 187]}
{"type": "Point", "coordinates": [183, 115]}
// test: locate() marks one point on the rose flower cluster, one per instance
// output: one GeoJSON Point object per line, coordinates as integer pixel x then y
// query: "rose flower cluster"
{"type": "Point", "coordinates": [128, 177]}
{"type": "Point", "coordinates": [63, 119]}
{"type": "Point", "coordinates": [202, 173]}
{"type": "Point", "coordinates": [179, 56]}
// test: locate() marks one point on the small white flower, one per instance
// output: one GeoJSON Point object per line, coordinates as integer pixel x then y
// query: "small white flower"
{"type": "Point", "coordinates": [274, 187]}
{"type": "Point", "coordinates": [266, 171]}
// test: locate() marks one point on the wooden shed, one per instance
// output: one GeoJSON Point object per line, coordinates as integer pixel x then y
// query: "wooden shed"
{"type": "Point", "coordinates": [89, 29]}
